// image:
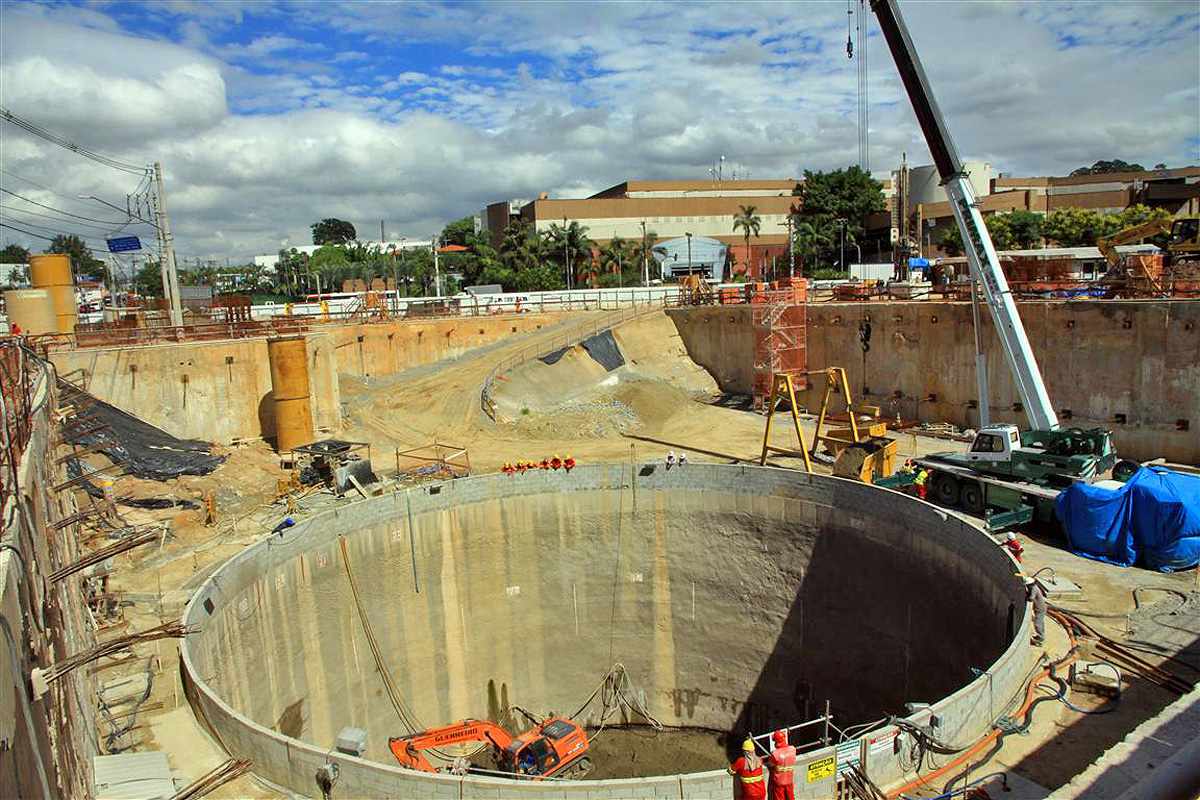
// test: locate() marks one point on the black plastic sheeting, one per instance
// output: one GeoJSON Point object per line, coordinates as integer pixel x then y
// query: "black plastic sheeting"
{"type": "Point", "coordinates": [554, 357]}
{"type": "Point", "coordinates": [144, 450]}
{"type": "Point", "coordinates": [602, 348]}
{"type": "Point", "coordinates": [75, 471]}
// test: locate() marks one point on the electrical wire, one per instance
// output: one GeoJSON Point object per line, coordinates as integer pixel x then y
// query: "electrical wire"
{"type": "Point", "coordinates": [67, 144]}
{"type": "Point", "coordinates": [14, 210]}
{"type": "Point", "coordinates": [59, 210]}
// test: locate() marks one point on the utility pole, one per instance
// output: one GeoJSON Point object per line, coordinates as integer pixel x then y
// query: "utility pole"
{"type": "Point", "coordinates": [689, 238]}
{"type": "Point", "coordinates": [645, 267]}
{"type": "Point", "coordinates": [166, 244]}
{"type": "Point", "coordinates": [381, 237]}
{"type": "Point", "coordinates": [437, 274]}
{"type": "Point", "coordinates": [791, 218]}
{"type": "Point", "coordinates": [567, 253]}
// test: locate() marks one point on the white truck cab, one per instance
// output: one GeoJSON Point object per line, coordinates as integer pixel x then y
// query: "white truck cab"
{"type": "Point", "coordinates": [994, 443]}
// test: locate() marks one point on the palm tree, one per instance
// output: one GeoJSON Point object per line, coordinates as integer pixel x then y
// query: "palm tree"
{"type": "Point", "coordinates": [748, 221]}
{"type": "Point", "coordinates": [813, 236]}
{"type": "Point", "coordinates": [572, 244]}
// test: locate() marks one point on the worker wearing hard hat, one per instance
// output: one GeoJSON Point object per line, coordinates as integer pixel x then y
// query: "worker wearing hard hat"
{"type": "Point", "coordinates": [748, 774]}
{"type": "Point", "coordinates": [1014, 546]}
{"type": "Point", "coordinates": [782, 763]}
{"type": "Point", "coordinates": [1036, 593]}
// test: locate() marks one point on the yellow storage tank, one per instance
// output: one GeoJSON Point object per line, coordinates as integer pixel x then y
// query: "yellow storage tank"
{"type": "Point", "coordinates": [290, 389]}
{"type": "Point", "coordinates": [52, 272]}
{"type": "Point", "coordinates": [32, 310]}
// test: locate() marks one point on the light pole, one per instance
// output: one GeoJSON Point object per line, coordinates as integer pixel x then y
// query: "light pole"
{"type": "Point", "coordinates": [645, 268]}
{"type": "Point", "coordinates": [842, 259]}
{"type": "Point", "coordinates": [566, 253]}
{"type": "Point", "coordinates": [689, 238]}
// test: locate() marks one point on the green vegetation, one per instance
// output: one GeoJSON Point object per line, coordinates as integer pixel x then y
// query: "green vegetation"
{"type": "Point", "coordinates": [1066, 227]}
{"type": "Point", "coordinates": [748, 222]}
{"type": "Point", "coordinates": [333, 231]}
{"type": "Point", "coordinates": [825, 198]}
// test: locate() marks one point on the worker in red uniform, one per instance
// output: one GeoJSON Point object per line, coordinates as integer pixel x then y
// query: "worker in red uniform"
{"type": "Point", "coordinates": [1014, 545]}
{"type": "Point", "coordinates": [568, 463]}
{"type": "Point", "coordinates": [555, 462]}
{"type": "Point", "coordinates": [748, 774]}
{"type": "Point", "coordinates": [919, 482]}
{"type": "Point", "coordinates": [782, 763]}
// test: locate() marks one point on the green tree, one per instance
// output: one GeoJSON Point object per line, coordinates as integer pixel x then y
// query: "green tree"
{"type": "Point", "coordinates": [1025, 228]}
{"type": "Point", "coordinates": [999, 228]}
{"type": "Point", "coordinates": [849, 194]}
{"type": "Point", "coordinates": [814, 236]}
{"type": "Point", "coordinates": [748, 222]}
{"type": "Point", "coordinates": [329, 265]}
{"type": "Point", "coordinates": [82, 260]}
{"type": "Point", "coordinates": [333, 231]}
{"type": "Point", "coordinates": [1104, 167]}
{"type": "Point", "coordinates": [459, 232]}
{"type": "Point", "coordinates": [14, 254]}
{"type": "Point", "coordinates": [1077, 227]}
{"type": "Point", "coordinates": [148, 280]}
{"type": "Point", "coordinates": [570, 247]}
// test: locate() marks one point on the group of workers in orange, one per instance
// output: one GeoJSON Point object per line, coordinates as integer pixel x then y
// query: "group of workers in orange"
{"type": "Point", "coordinates": [752, 783]}
{"type": "Point", "coordinates": [554, 462]}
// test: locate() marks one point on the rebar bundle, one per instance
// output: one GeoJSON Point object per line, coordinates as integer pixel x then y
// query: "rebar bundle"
{"type": "Point", "coordinates": [219, 776]}
{"type": "Point", "coordinates": [168, 630]}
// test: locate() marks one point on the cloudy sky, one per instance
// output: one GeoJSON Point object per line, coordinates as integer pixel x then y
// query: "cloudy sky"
{"type": "Point", "coordinates": [270, 115]}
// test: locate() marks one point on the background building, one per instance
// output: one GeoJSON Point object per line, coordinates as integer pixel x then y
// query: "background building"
{"type": "Point", "coordinates": [669, 210]}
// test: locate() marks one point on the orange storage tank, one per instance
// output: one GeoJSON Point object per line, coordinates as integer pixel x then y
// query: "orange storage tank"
{"type": "Point", "coordinates": [52, 272]}
{"type": "Point", "coordinates": [290, 391]}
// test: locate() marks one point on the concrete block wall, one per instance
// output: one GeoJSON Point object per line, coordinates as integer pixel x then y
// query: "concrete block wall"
{"type": "Point", "coordinates": [952, 547]}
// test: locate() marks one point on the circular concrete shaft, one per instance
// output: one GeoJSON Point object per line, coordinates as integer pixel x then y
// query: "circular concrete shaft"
{"type": "Point", "coordinates": [737, 599]}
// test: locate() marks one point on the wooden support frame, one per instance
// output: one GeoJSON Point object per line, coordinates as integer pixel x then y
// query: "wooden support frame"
{"type": "Point", "coordinates": [782, 386]}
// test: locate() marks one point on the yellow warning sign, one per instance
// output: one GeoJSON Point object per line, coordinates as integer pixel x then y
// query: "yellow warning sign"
{"type": "Point", "coordinates": [820, 770]}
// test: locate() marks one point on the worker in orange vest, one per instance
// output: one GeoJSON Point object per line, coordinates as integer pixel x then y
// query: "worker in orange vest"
{"type": "Point", "coordinates": [782, 764]}
{"type": "Point", "coordinates": [748, 774]}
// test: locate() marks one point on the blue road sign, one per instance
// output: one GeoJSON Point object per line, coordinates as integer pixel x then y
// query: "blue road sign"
{"type": "Point", "coordinates": [124, 244]}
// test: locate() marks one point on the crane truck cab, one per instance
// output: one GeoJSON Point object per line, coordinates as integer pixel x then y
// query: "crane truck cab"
{"type": "Point", "coordinates": [994, 443]}
{"type": "Point", "coordinates": [547, 750]}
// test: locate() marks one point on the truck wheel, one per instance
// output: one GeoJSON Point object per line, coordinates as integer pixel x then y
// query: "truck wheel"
{"type": "Point", "coordinates": [945, 490]}
{"type": "Point", "coordinates": [971, 497]}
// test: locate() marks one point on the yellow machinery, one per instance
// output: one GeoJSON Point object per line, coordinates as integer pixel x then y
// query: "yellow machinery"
{"type": "Point", "coordinates": [1183, 243]}
{"type": "Point", "coordinates": [861, 453]}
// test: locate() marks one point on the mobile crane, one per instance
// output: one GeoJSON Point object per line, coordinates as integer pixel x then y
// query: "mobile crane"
{"type": "Point", "coordinates": [553, 747]}
{"type": "Point", "coordinates": [1007, 475]}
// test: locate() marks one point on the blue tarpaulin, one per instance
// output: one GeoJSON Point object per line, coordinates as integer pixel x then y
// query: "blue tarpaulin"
{"type": "Point", "coordinates": [1152, 520]}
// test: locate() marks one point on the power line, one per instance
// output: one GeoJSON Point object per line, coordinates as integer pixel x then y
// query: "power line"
{"type": "Point", "coordinates": [105, 228]}
{"type": "Point", "coordinates": [67, 213]}
{"type": "Point", "coordinates": [67, 144]}
{"type": "Point", "coordinates": [40, 236]}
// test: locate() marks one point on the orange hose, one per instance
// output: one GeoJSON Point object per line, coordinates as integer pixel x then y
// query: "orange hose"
{"type": "Point", "coordinates": [922, 780]}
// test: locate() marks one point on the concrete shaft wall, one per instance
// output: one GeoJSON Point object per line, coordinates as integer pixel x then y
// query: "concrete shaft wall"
{"type": "Point", "coordinates": [221, 391]}
{"type": "Point", "coordinates": [737, 598]}
{"type": "Point", "coordinates": [1100, 359]}
{"type": "Point", "coordinates": [51, 739]}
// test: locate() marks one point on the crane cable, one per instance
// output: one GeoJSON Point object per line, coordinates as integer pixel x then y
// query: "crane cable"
{"type": "Point", "coordinates": [406, 715]}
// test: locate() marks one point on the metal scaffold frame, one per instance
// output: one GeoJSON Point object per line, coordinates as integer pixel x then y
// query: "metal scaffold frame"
{"type": "Point", "coordinates": [778, 317]}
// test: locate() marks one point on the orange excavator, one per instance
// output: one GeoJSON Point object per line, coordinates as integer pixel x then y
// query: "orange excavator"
{"type": "Point", "coordinates": [554, 747]}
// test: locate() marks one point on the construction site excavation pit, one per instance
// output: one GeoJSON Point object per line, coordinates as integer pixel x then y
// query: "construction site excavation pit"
{"type": "Point", "coordinates": [736, 599]}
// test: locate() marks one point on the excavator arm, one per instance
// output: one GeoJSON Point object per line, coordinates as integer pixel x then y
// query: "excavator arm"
{"type": "Point", "coordinates": [408, 749]}
{"type": "Point", "coordinates": [1108, 245]}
